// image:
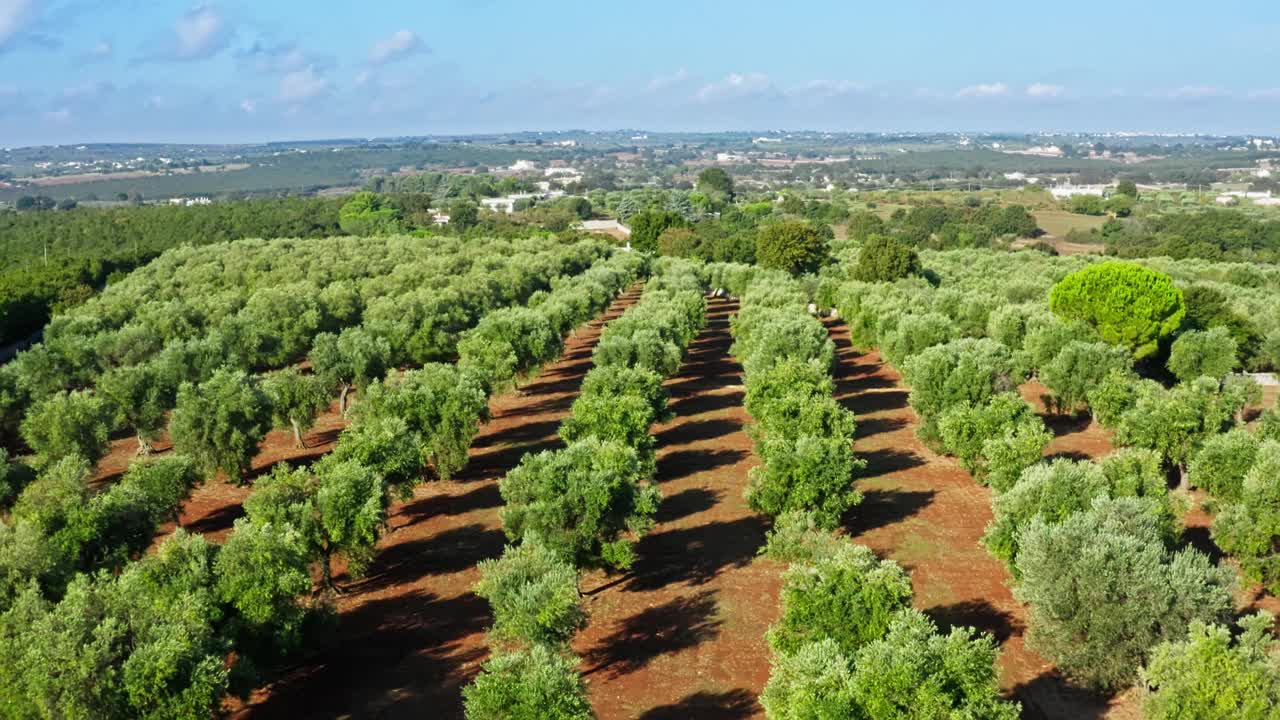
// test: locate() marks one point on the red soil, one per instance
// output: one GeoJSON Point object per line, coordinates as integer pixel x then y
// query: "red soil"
{"type": "Point", "coordinates": [682, 635]}
{"type": "Point", "coordinates": [924, 511]}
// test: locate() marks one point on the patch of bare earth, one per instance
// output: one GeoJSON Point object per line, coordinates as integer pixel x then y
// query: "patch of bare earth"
{"type": "Point", "coordinates": [924, 511]}
{"type": "Point", "coordinates": [682, 634]}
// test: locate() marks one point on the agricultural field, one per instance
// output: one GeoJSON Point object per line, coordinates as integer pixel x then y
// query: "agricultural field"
{"type": "Point", "coordinates": [549, 477]}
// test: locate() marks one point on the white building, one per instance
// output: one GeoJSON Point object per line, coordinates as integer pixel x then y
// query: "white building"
{"type": "Point", "coordinates": [524, 166]}
{"type": "Point", "coordinates": [1062, 192]}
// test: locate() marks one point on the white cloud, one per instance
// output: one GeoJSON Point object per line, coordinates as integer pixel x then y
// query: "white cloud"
{"type": "Point", "coordinates": [202, 32]}
{"type": "Point", "coordinates": [736, 85]}
{"type": "Point", "coordinates": [102, 49]}
{"type": "Point", "coordinates": [60, 116]}
{"type": "Point", "coordinates": [1043, 90]}
{"type": "Point", "coordinates": [997, 89]}
{"type": "Point", "coordinates": [828, 89]}
{"type": "Point", "coordinates": [303, 85]}
{"type": "Point", "coordinates": [15, 15]}
{"type": "Point", "coordinates": [1197, 92]}
{"type": "Point", "coordinates": [1265, 94]}
{"type": "Point", "coordinates": [662, 82]}
{"type": "Point", "coordinates": [248, 106]}
{"type": "Point", "coordinates": [401, 44]}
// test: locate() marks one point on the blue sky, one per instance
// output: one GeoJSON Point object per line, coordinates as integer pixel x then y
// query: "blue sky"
{"type": "Point", "coordinates": [126, 70]}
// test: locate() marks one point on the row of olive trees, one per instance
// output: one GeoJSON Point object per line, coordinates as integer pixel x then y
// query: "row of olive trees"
{"type": "Point", "coordinates": [583, 506]}
{"type": "Point", "coordinates": [259, 305]}
{"type": "Point", "coordinates": [802, 434]}
{"type": "Point", "coordinates": [250, 598]}
{"type": "Point", "coordinates": [849, 645]}
{"type": "Point", "coordinates": [1094, 547]}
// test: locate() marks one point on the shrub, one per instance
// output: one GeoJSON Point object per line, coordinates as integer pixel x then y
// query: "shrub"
{"type": "Point", "coordinates": [849, 596]}
{"type": "Point", "coordinates": [1104, 591]}
{"type": "Point", "coordinates": [793, 246]}
{"type": "Point", "coordinates": [1078, 369]}
{"type": "Point", "coordinates": [581, 502]}
{"type": "Point", "coordinates": [534, 595]}
{"type": "Point", "coordinates": [66, 424]}
{"type": "Point", "coordinates": [1207, 675]}
{"type": "Point", "coordinates": [810, 473]}
{"type": "Point", "coordinates": [961, 371]}
{"type": "Point", "coordinates": [913, 670]}
{"type": "Point", "coordinates": [1269, 425]}
{"type": "Point", "coordinates": [1249, 529]}
{"type": "Point", "coordinates": [1128, 304]}
{"type": "Point", "coordinates": [219, 423]}
{"type": "Point", "coordinates": [1050, 492]}
{"type": "Point", "coordinates": [534, 683]}
{"type": "Point", "coordinates": [1222, 462]}
{"type": "Point", "coordinates": [1211, 353]}
{"type": "Point", "coordinates": [815, 681]}
{"type": "Point", "coordinates": [885, 258]}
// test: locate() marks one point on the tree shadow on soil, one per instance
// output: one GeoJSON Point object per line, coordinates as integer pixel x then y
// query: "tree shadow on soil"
{"type": "Point", "coordinates": [218, 521]}
{"type": "Point", "coordinates": [687, 502]}
{"type": "Point", "coordinates": [874, 402]}
{"type": "Point", "coordinates": [1050, 696]}
{"type": "Point", "coordinates": [889, 460]}
{"type": "Point", "coordinates": [706, 403]}
{"type": "Point", "coordinates": [731, 705]}
{"type": "Point", "coordinates": [417, 511]}
{"type": "Point", "coordinates": [695, 555]}
{"type": "Point", "coordinates": [870, 427]}
{"type": "Point", "coordinates": [1201, 539]}
{"type": "Point", "coordinates": [684, 463]}
{"type": "Point", "coordinates": [417, 634]}
{"type": "Point", "coordinates": [448, 552]}
{"type": "Point", "coordinates": [674, 626]}
{"type": "Point", "coordinates": [698, 430]}
{"type": "Point", "coordinates": [885, 507]}
{"type": "Point", "coordinates": [977, 614]}
{"type": "Point", "coordinates": [1062, 425]}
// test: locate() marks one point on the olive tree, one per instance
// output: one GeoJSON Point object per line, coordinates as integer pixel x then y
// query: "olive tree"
{"type": "Point", "coordinates": [1249, 529]}
{"type": "Point", "coordinates": [1209, 674]}
{"type": "Point", "coordinates": [534, 595]}
{"type": "Point", "coordinates": [587, 502]}
{"type": "Point", "coordinates": [884, 258]}
{"type": "Point", "coordinates": [220, 422]}
{"type": "Point", "coordinates": [534, 683]}
{"type": "Point", "coordinates": [1176, 422]}
{"type": "Point", "coordinates": [296, 400]}
{"type": "Point", "coordinates": [1079, 368]}
{"type": "Point", "coordinates": [965, 429]}
{"type": "Point", "coordinates": [809, 472]}
{"type": "Point", "coordinates": [1208, 353]}
{"type": "Point", "coordinates": [262, 573]}
{"type": "Point", "coordinates": [914, 333]}
{"type": "Point", "coordinates": [849, 596]}
{"type": "Point", "coordinates": [69, 423]}
{"type": "Point", "coordinates": [1050, 493]}
{"type": "Point", "coordinates": [352, 359]}
{"type": "Point", "coordinates": [141, 396]}
{"type": "Point", "coordinates": [351, 508]}
{"type": "Point", "coordinates": [960, 371]}
{"type": "Point", "coordinates": [815, 681]}
{"type": "Point", "coordinates": [1012, 451]}
{"type": "Point", "coordinates": [794, 246]}
{"type": "Point", "coordinates": [1129, 305]}
{"type": "Point", "coordinates": [1103, 590]}
{"type": "Point", "coordinates": [1222, 462]}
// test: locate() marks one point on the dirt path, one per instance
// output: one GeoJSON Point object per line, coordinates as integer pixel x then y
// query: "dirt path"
{"type": "Point", "coordinates": [683, 635]}
{"type": "Point", "coordinates": [410, 634]}
{"type": "Point", "coordinates": [924, 511]}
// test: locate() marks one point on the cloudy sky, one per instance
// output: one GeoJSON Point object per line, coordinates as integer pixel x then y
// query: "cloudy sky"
{"type": "Point", "coordinates": [227, 71]}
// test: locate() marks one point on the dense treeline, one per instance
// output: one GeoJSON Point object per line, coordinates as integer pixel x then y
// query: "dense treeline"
{"type": "Point", "coordinates": [948, 227]}
{"type": "Point", "coordinates": [57, 259]}
{"type": "Point", "coordinates": [583, 506]}
{"type": "Point", "coordinates": [195, 620]}
{"type": "Point", "coordinates": [1207, 234]}
{"type": "Point", "coordinates": [1115, 593]}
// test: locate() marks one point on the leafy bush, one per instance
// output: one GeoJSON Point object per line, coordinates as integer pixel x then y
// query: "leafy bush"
{"type": "Point", "coordinates": [849, 596]}
{"type": "Point", "coordinates": [914, 333]}
{"type": "Point", "coordinates": [581, 502]}
{"type": "Point", "coordinates": [885, 258]}
{"type": "Point", "coordinates": [534, 683]}
{"type": "Point", "coordinates": [1128, 304]}
{"type": "Point", "coordinates": [965, 429]}
{"type": "Point", "coordinates": [793, 246]}
{"type": "Point", "coordinates": [1207, 675]}
{"type": "Point", "coordinates": [1104, 591]}
{"type": "Point", "coordinates": [815, 681]}
{"type": "Point", "coordinates": [796, 537]}
{"type": "Point", "coordinates": [1211, 353]}
{"type": "Point", "coordinates": [219, 423]}
{"type": "Point", "coordinates": [66, 424]}
{"type": "Point", "coordinates": [1078, 369]}
{"type": "Point", "coordinates": [960, 371]}
{"type": "Point", "coordinates": [1048, 493]}
{"type": "Point", "coordinates": [534, 595]}
{"type": "Point", "coordinates": [914, 671]}
{"type": "Point", "coordinates": [810, 472]}
{"type": "Point", "coordinates": [1009, 454]}
{"type": "Point", "coordinates": [1222, 462]}
{"type": "Point", "coordinates": [1248, 529]}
